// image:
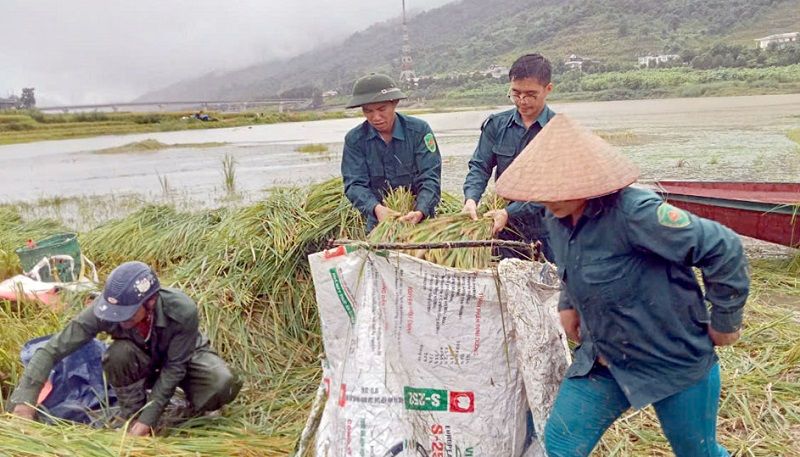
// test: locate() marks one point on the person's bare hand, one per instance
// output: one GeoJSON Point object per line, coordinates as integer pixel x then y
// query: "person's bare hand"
{"type": "Point", "coordinates": [382, 212]}
{"type": "Point", "coordinates": [723, 339]}
{"type": "Point", "coordinates": [471, 208]}
{"type": "Point", "coordinates": [140, 429]}
{"type": "Point", "coordinates": [25, 411]}
{"type": "Point", "coordinates": [413, 217]}
{"type": "Point", "coordinates": [500, 218]}
{"type": "Point", "coordinates": [571, 322]}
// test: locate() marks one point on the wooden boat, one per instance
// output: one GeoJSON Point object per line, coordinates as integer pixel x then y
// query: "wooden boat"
{"type": "Point", "coordinates": [768, 211]}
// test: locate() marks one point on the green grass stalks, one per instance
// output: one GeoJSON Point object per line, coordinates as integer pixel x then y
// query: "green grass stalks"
{"type": "Point", "coordinates": [449, 225]}
{"type": "Point", "coordinates": [620, 138]}
{"type": "Point", "coordinates": [229, 173]}
{"type": "Point", "coordinates": [794, 135]}
{"type": "Point", "coordinates": [151, 145]}
{"type": "Point", "coordinates": [312, 148]}
{"type": "Point", "coordinates": [247, 269]}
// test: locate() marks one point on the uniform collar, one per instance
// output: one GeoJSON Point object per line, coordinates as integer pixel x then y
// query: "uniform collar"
{"type": "Point", "coordinates": [542, 120]}
{"type": "Point", "coordinates": [594, 208]}
{"type": "Point", "coordinates": [160, 317]}
{"type": "Point", "coordinates": [398, 133]}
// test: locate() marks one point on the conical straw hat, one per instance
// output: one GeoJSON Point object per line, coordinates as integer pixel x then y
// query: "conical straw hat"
{"type": "Point", "coordinates": [566, 161]}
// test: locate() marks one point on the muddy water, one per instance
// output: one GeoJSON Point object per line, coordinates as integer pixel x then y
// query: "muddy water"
{"type": "Point", "coordinates": [742, 138]}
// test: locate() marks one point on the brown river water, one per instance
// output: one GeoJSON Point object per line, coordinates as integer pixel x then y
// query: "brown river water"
{"type": "Point", "coordinates": [737, 138]}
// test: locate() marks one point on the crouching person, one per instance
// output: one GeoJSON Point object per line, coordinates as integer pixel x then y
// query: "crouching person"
{"type": "Point", "coordinates": [157, 346]}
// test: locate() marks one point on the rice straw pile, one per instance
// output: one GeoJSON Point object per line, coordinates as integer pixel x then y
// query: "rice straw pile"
{"type": "Point", "coordinates": [449, 225]}
{"type": "Point", "coordinates": [247, 269]}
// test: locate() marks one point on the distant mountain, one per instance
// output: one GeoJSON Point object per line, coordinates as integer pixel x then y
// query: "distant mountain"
{"type": "Point", "coordinates": [473, 34]}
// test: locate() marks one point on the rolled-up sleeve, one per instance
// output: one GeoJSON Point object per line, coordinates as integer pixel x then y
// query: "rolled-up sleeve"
{"type": "Point", "coordinates": [688, 240]}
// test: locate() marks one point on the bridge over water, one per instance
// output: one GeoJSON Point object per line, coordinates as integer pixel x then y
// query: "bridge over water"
{"type": "Point", "coordinates": [188, 105]}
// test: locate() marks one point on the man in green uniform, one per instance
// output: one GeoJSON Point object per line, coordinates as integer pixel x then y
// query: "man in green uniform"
{"type": "Point", "coordinates": [503, 136]}
{"type": "Point", "coordinates": [157, 345]}
{"type": "Point", "coordinates": [387, 151]}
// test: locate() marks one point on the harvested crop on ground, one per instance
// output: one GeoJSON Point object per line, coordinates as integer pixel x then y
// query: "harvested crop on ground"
{"type": "Point", "coordinates": [247, 269]}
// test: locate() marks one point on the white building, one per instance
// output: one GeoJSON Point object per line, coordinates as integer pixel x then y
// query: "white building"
{"type": "Point", "coordinates": [646, 61]}
{"type": "Point", "coordinates": [9, 103]}
{"type": "Point", "coordinates": [497, 71]}
{"type": "Point", "coordinates": [574, 62]}
{"type": "Point", "coordinates": [780, 40]}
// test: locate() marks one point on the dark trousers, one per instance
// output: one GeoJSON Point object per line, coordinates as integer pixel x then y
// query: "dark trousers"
{"type": "Point", "coordinates": [208, 384]}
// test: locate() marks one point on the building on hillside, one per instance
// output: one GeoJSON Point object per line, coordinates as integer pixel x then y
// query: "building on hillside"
{"type": "Point", "coordinates": [780, 40]}
{"type": "Point", "coordinates": [646, 61]}
{"type": "Point", "coordinates": [9, 103]}
{"type": "Point", "coordinates": [330, 93]}
{"type": "Point", "coordinates": [496, 71]}
{"type": "Point", "coordinates": [574, 62]}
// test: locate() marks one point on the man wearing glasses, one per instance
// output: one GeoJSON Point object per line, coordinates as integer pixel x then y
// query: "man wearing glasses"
{"type": "Point", "coordinates": [503, 136]}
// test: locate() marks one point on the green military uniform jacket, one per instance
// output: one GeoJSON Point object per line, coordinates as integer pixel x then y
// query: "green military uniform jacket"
{"type": "Point", "coordinates": [370, 167]}
{"type": "Point", "coordinates": [174, 338]}
{"type": "Point", "coordinates": [626, 268]}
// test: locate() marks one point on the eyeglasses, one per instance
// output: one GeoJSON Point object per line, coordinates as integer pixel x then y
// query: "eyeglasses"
{"type": "Point", "coordinates": [521, 98]}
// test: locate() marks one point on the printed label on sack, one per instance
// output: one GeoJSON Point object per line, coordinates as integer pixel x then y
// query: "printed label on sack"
{"type": "Point", "coordinates": [343, 294]}
{"type": "Point", "coordinates": [338, 252]}
{"type": "Point", "coordinates": [421, 399]}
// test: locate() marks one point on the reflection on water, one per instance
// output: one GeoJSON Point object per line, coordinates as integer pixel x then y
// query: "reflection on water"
{"type": "Point", "coordinates": [739, 138]}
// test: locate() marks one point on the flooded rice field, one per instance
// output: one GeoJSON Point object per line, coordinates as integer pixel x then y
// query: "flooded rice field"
{"type": "Point", "coordinates": [736, 138]}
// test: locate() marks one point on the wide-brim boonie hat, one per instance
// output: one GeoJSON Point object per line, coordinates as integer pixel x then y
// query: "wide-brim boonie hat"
{"type": "Point", "coordinates": [566, 161]}
{"type": "Point", "coordinates": [374, 88]}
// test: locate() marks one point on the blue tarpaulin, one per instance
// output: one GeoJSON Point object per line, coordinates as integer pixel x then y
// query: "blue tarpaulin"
{"type": "Point", "coordinates": [78, 384]}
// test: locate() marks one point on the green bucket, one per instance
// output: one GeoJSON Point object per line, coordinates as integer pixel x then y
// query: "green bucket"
{"type": "Point", "coordinates": [58, 249]}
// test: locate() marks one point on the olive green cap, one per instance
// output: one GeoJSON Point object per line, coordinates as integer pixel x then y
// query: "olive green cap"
{"type": "Point", "coordinates": [374, 88]}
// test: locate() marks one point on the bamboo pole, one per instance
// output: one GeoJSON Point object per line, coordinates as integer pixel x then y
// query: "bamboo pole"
{"type": "Point", "coordinates": [533, 248]}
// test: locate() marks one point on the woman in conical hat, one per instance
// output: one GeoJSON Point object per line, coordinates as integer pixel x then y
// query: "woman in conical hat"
{"type": "Point", "coordinates": [629, 296]}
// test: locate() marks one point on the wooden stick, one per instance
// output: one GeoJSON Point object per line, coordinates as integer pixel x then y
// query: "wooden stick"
{"type": "Point", "coordinates": [533, 247]}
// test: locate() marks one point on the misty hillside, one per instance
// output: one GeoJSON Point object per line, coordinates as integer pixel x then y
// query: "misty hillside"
{"type": "Point", "coordinates": [472, 34]}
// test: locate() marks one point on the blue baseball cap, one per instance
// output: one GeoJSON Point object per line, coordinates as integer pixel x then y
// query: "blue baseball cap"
{"type": "Point", "coordinates": [127, 288]}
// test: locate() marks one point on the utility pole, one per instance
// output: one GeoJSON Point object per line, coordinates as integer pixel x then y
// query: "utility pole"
{"type": "Point", "coordinates": [407, 76]}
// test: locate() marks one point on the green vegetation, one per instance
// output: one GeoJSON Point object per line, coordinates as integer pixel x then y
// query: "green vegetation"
{"type": "Point", "coordinates": [636, 84]}
{"type": "Point", "coordinates": [794, 135]}
{"type": "Point", "coordinates": [247, 268]}
{"type": "Point", "coordinates": [312, 148]}
{"type": "Point", "coordinates": [26, 126]}
{"type": "Point", "coordinates": [229, 173]}
{"type": "Point", "coordinates": [151, 145]}
{"type": "Point", "coordinates": [620, 138]}
{"type": "Point", "coordinates": [613, 33]}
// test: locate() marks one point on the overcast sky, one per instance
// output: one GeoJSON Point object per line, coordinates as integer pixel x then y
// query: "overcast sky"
{"type": "Point", "coordinates": [87, 51]}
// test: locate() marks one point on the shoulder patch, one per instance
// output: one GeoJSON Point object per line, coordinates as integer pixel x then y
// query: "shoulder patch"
{"type": "Point", "coordinates": [430, 143]}
{"type": "Point", "coordinates": [670, 216]}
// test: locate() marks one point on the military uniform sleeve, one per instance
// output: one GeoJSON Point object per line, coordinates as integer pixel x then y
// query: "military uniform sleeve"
{"type": "Point", "coordinates": [564, 302]}
{"type": "Point", "coordinates": [427, 180]}
{"type": "Point", "coordinates": [81, 329]}
{"type": "Point", "coordinates": [481, 164]}
{"type": "Point", "coordinates": [355, 175]}
{"type": "Point", "coordinates": [529, 212]}
{"type": "Point", "coordinates": [179, 354]}
{"type": "Point", "coordinates": [683, 238]}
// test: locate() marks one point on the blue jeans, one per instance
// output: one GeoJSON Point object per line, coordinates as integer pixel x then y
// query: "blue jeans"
{"type": "Point", "coordinates": [588, 405]}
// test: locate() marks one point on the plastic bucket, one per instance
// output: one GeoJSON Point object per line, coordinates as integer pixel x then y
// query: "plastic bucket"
{"type": "Point", "coordinates": [57, 249]}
